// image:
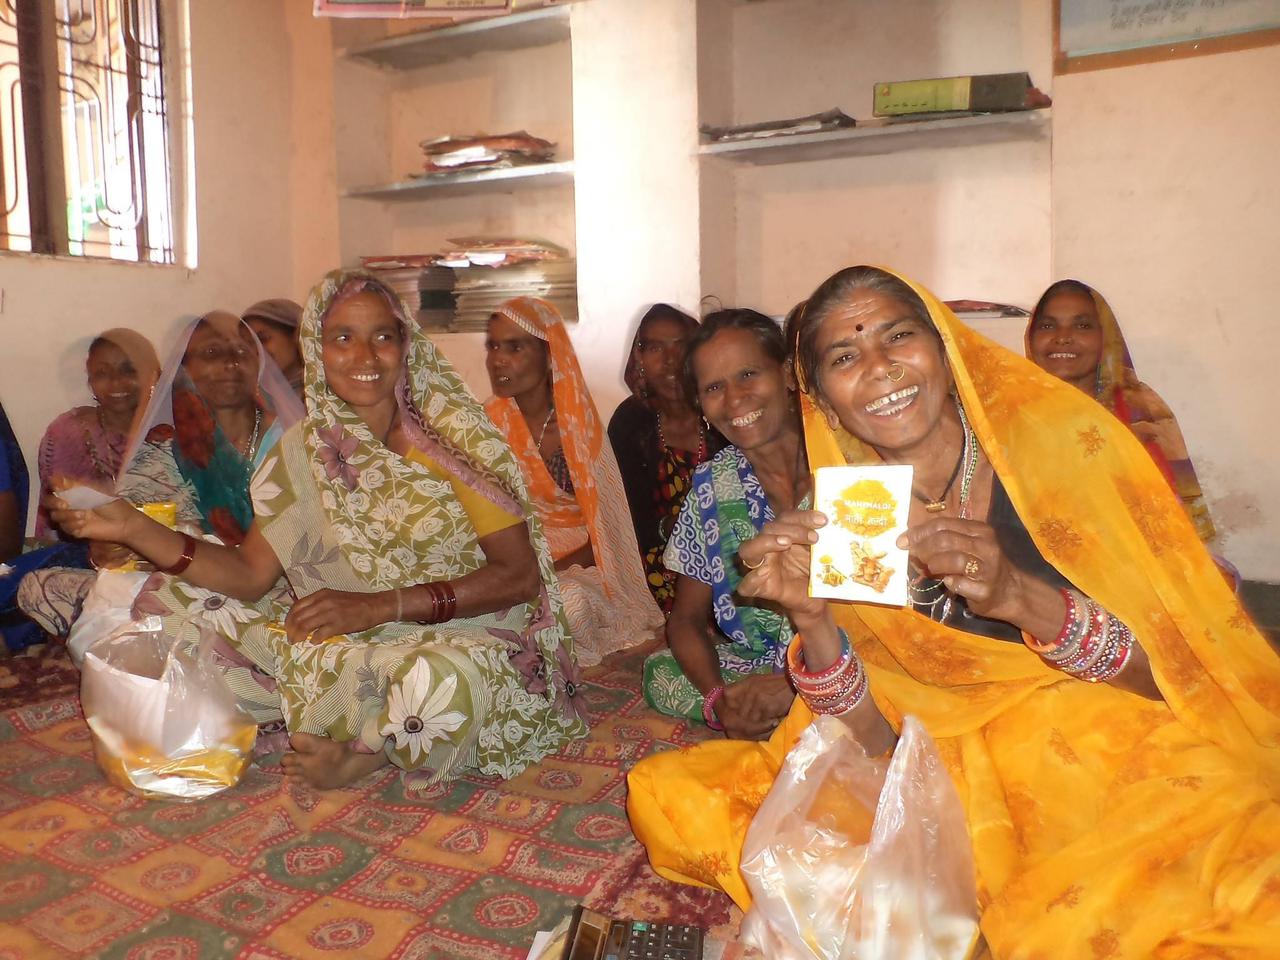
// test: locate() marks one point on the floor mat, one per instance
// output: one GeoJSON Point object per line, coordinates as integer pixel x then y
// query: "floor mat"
{"type": "Point", "coordinates": [37, 674]}
{"type": "Point", "coordinates": [385, 868]}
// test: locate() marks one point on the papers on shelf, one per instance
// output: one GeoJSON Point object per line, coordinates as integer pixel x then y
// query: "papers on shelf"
{"type": "Point", "coordinates": [984, 309]}
{"type": "Point", "coordinates": [495, 251]}
{"type": "Point", "coordinates": [460, 288]}
{"type": "Point", "coordinates": [479, 291]}
{"type": "Point", "coordinates": [816, 123]}
{"type": "Point", "coordinates": [452, 153]}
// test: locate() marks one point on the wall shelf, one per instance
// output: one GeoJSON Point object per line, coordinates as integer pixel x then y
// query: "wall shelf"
{"type": "Point", "coordinates": [515, 31]}
{"type": "Point", "coordinates": [504, 180]}
{"type": "Point", "coordinates": [877, 137]}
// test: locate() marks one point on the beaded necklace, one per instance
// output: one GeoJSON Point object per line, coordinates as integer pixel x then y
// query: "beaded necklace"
{"type": "Point", "coordinates": [251, 448]}
{"type": "Point", "coordinates": [702, 439]}
{"type": "Point", "coordinates": [927, 594]}
{"type": "Point", "coordinates": [105, 471]}
{"type": "Point", "coordinates": [545, 423]}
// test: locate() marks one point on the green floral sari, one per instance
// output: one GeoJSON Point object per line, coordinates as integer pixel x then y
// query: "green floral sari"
{"type": "Point", "coordinates": [491, 693]}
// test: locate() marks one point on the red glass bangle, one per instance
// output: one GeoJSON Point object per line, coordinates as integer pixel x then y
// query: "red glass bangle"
{"type": "Point", "coordinates": [709, 708]}
{"type": "Point", "coordinates": [184, 561]}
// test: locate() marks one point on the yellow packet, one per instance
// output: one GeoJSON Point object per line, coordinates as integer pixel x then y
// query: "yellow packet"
{"type": "Point", "coordinates": [856, 557]}
{"type": "Point", "coordinates": [164, 512]}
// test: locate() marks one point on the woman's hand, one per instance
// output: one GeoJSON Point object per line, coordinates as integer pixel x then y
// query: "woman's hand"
{"type": "Point", "coordinates": [777, 565]}
{"type": "Point", "coordinates": [331, 613]}
{"type": "Point", "coordinates": [109, 522]}
{"type": "Point", "coordinates": [751, 708]}
{"type": "Point", "coordinates": [967, 558]}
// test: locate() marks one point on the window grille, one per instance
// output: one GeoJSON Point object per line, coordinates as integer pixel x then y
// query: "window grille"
{"type": "Point", "coordinates": [84, 130]}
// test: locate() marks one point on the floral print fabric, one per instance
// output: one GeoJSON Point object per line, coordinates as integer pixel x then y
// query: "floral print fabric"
{"type": "Point", "coordinates": [492, 693]}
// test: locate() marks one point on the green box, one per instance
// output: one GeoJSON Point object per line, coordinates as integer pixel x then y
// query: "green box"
{"type": "Point", "coordinates": [991, 92]}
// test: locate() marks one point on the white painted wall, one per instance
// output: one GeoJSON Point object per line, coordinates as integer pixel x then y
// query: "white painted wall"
{"type": "Point", "coordinates": [635, 117]}
{"type": "Point", "coordinates": [968, 221]}
{"type": "Point", "coordinates": [1164, 198]}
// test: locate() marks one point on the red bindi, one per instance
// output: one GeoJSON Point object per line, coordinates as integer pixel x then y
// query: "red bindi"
{"type": "Point", "coordinates": [858, 328]}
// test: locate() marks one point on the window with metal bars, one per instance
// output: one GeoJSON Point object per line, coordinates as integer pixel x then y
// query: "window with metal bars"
{"type": "Point", "coordinates": [84, 130]}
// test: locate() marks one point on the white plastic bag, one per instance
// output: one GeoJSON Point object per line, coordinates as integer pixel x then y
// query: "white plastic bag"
{"type": "Point", "coordinates": [106, 609]}
{"type": "Point", "coordinates": [850, 858]}
{"type": "Point", "coordinates": [164, 722]}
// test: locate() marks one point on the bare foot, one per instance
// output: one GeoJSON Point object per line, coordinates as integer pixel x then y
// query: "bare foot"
{"type": "Point", "coordinates": [328, 764]}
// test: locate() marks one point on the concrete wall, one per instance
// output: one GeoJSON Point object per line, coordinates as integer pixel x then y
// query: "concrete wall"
{"type": "Point", "coordinates": [266, 211]}
{"type": "Point", "coordinates": [1164, 198]}
{"type": "Point", "coordinates": [968, 221]}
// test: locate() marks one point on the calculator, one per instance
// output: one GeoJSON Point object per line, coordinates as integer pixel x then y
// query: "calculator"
{"type": "Point", "coordinates": [593, 936]}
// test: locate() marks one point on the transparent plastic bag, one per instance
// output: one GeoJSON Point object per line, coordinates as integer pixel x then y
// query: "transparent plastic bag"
{"type": "Point", "coordinates": [164, 722]}
{"type": "Point", "coordinates": [107, 608]}
{"type": "Point", "coordinates": [851, 858]}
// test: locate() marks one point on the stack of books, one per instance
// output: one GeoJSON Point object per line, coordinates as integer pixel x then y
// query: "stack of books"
{"type": "Point", "coordinates": [481, 290]}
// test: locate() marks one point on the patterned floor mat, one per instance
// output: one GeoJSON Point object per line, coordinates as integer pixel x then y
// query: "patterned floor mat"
{"type": "Point", "coordinates": [38, 674]}
{"type": "Point", "coordinates": [383, 869]}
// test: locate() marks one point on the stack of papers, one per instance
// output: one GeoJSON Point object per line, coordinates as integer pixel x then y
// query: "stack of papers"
{"type": "Point", "coordinates": [497, 251]}
{"type": "Point", "coordinates": [984, 309]}
{"type": "Point", "coordinates": [439, 304]}
{"type": "Point", "coordinates": [481, 290]}
{"type": "Point", "coordinates": [401, 274]}
{"type": "Point", "coordinates": [449, 154]}
{"type": "Point", "coordinates": [830, 120]}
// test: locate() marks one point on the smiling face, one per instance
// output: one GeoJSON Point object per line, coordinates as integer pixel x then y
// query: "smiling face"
{"type": "Point", "coordinates": [222, 361]}
{"type": "Point", "coordinates": [362, 346]}
{"type": "Point", "coordinates": [518, 363]}
{"type": "Point", "coordinates": [857, 346]}
{"type": "Point", "coordinates": [113, 379]}
{"type": "Point", "coordinates": [1065, 339]}
{"type": "Point", "coordinates": [742, 390]}
{"type": "Point", "coordinates": [280, 342]}
{"type": "Point", "coordinates": [660, 347]}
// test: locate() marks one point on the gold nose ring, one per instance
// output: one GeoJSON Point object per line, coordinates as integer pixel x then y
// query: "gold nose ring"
{"type": "Point", "coordinates": [902, 372]}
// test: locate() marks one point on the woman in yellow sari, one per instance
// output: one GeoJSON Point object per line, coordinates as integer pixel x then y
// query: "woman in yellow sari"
{"type": "Point", "coordinates": [1134, 816]}
{"type": "Point", "coordinates": [542, 406]}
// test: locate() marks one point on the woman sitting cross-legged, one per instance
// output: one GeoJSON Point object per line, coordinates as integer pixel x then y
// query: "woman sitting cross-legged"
{"type": "Point", "coordinates": [1108, 713]}
{"type": "Point", "coordinates": [428, 630]}
{"type": "Point", "coordinates": [542, 406]}
{"type": "Point", "coordinates": [218, 407]}
{"type": "Point", "coordinates": [738, 372]}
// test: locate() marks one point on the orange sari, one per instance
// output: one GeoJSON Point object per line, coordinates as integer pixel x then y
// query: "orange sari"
{"type": "Point", "coordinates": [613, 592]}
{"type": "Point", "coordinates": [1103, 825]}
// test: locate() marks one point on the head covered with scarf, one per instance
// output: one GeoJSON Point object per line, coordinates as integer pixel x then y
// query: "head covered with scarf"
{"type": "Point", "coordinates": [1118, 388]}
{"type": "Point", "coordinates": [208, 465]}
{"type": "Point", "coordinates": [1101, 514]}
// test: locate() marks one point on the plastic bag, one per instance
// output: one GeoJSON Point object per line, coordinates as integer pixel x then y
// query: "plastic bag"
{"type": "Point", "coordinates": [164, 722]}
{"type": "Point", "coordinates": [106, 609]}
{"type": "Point", "coordinates": [850, 858]}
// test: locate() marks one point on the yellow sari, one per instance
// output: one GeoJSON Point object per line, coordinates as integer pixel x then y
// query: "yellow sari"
{"type": "Point", "coordinates": [1104, 825]}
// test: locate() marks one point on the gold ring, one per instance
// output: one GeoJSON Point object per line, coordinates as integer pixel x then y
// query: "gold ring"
{"type": "Point", "coordinates": [307, 638]}
{"type": "Point", "coordinates": [971, 568]}
{"type": "Point", "coordinates": [751, 566]}
{"type": "Point", "coordinates": [902, 372]}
